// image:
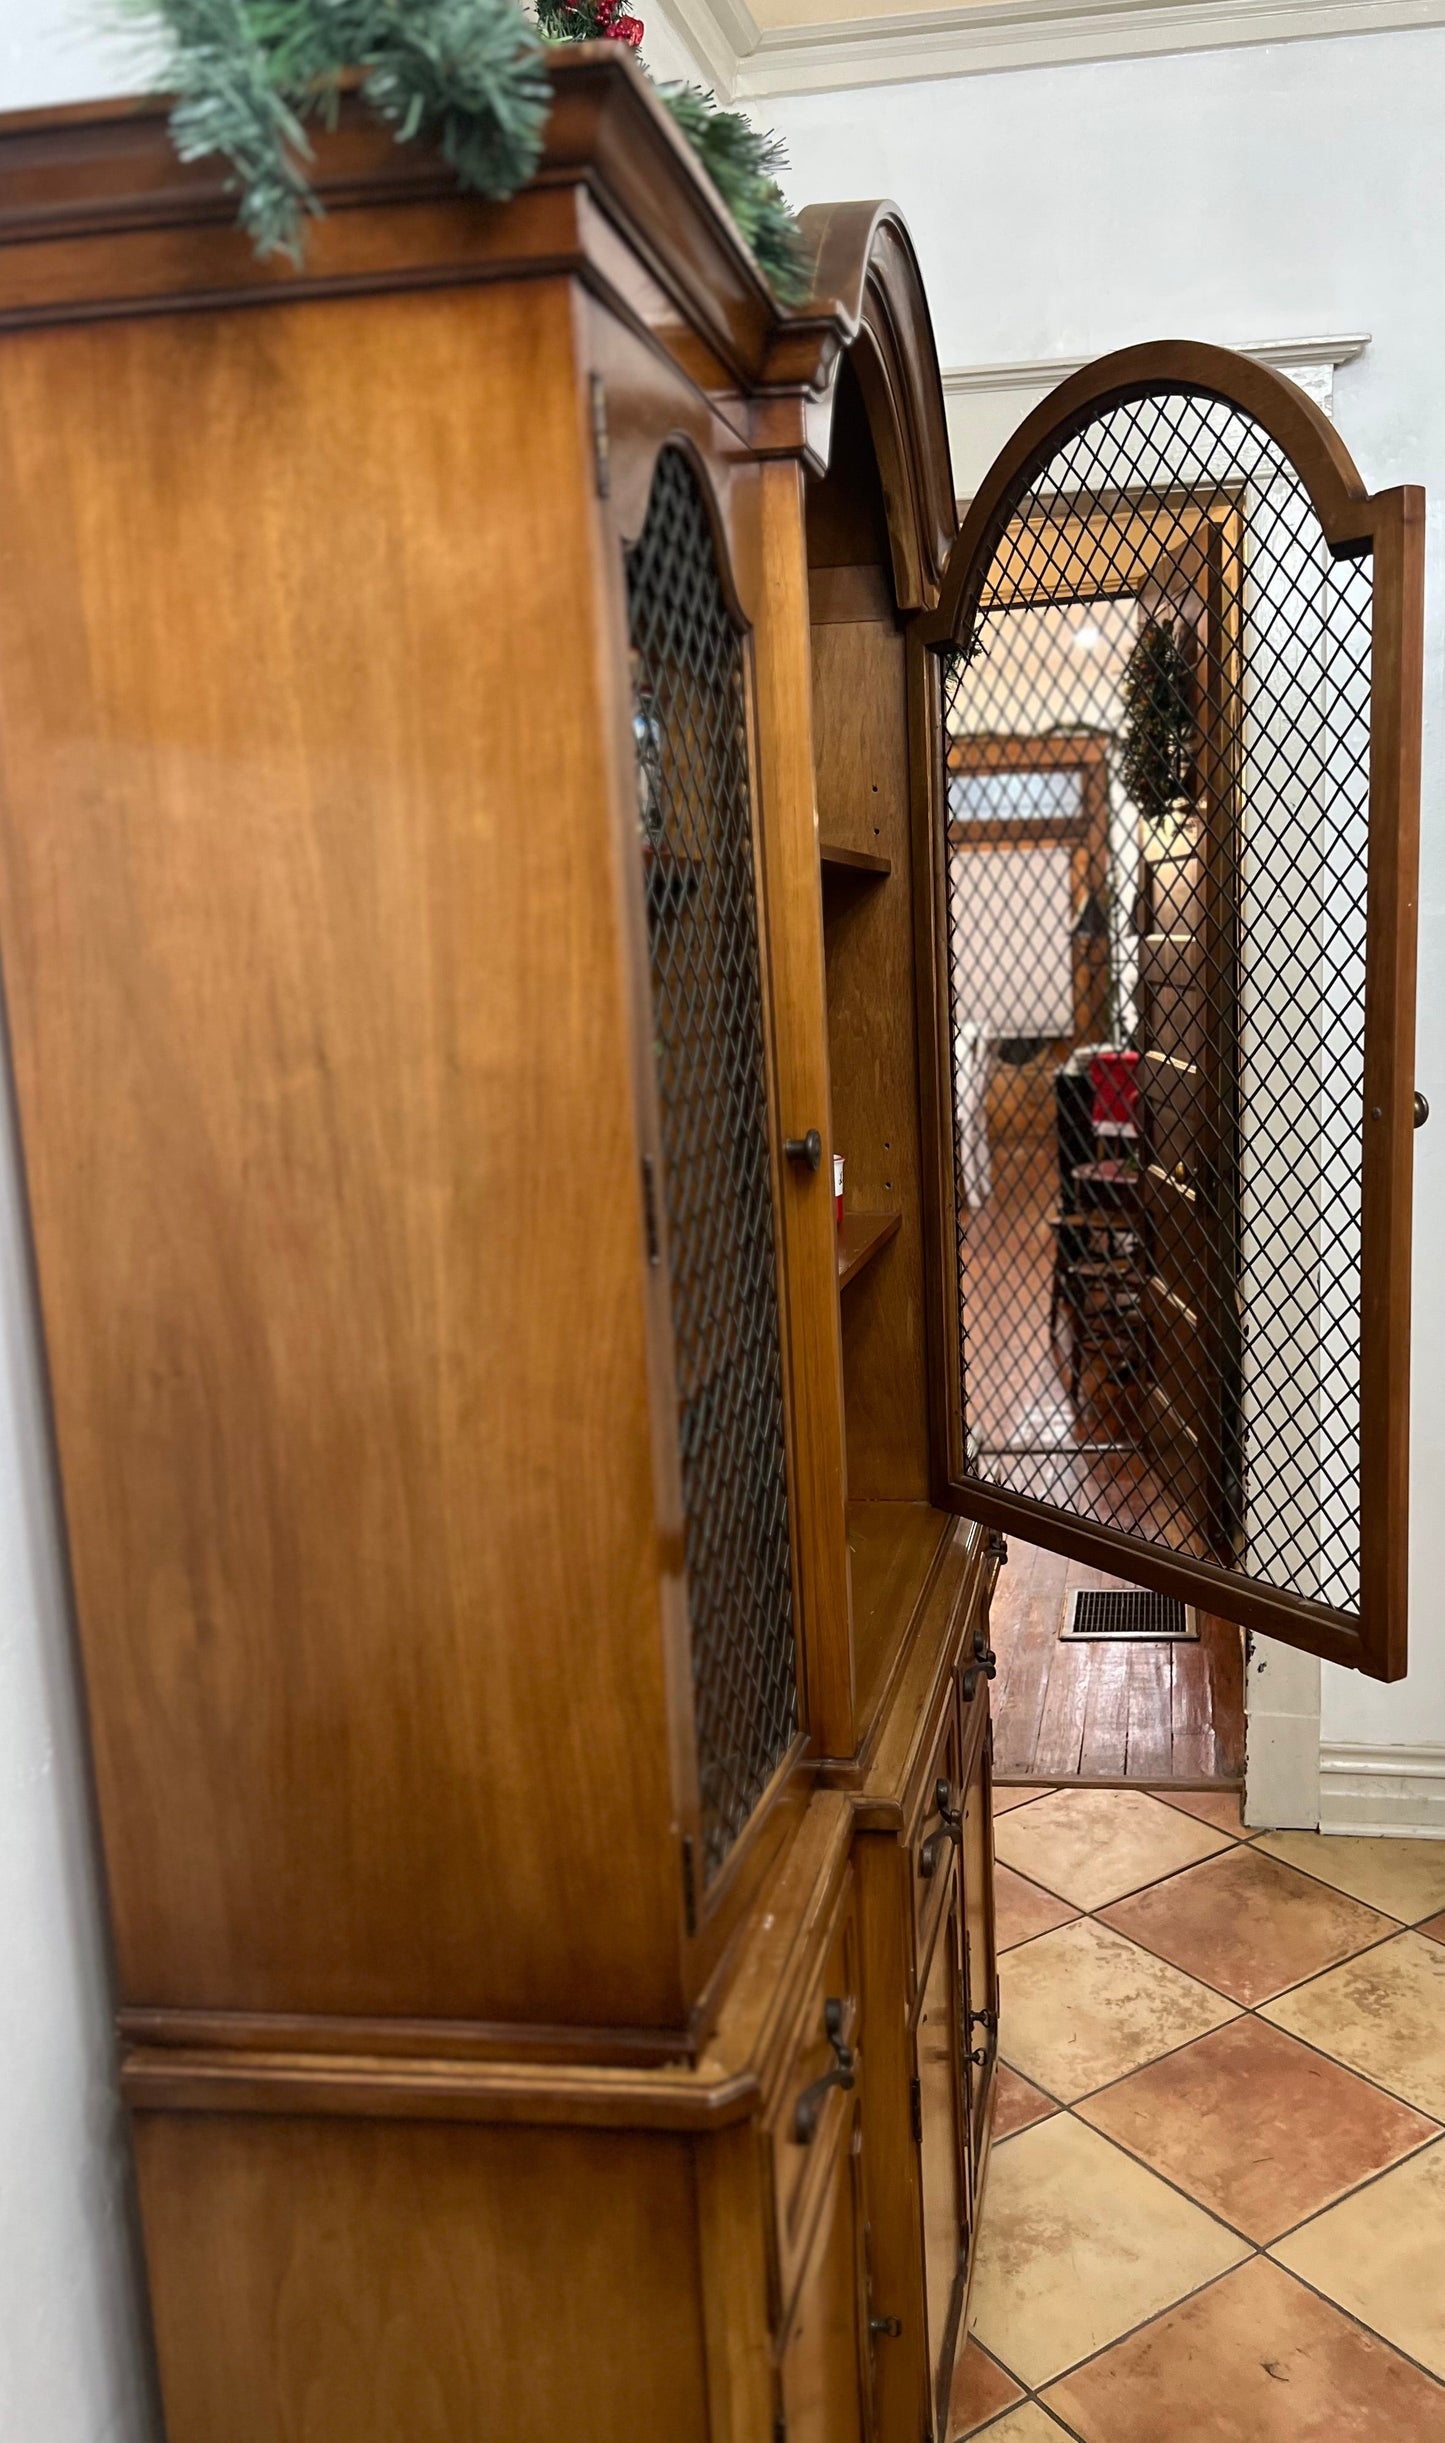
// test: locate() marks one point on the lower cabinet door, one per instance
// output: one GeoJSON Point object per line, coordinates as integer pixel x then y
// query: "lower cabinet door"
{"type": "Point", "coordinates": [980, 1965]}
{"type": "Point", "coordinates": [940, 2123]}
{"type": "Point", "coordinates": [826, 2372]}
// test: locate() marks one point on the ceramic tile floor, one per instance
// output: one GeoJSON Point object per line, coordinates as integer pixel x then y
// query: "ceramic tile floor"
{"type": "Point", "coordinates": [1216, 2205]}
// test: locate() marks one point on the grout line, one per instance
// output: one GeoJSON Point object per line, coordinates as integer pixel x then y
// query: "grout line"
{"type": "Point", "coordinates": [1312, 1976]}
{"type": "Point", "coordinates": [1361, 2322]}
{"type": "Point", "coordinates": [1211, 2213]}
{"type": "Point", "coordinates": [1408, 1925]}
{"type": "Point", "coordinates": [1131, 2331]}
{"type": "Point", "coordinates": [1254, 2250]}
{"type": "Point", "coordinates": [1347, 2196]}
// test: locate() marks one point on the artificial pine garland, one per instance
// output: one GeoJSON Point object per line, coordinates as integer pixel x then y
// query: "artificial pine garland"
{"type": "Point", "coordinates": [1158, 693]}
{"type": "Point", "coordinates": [471, 74]}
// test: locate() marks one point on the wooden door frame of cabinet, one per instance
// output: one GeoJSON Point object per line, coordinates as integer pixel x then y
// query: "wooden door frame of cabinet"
{"type": "Point", "coordinates": [1390, 525]}
{"type": "Point", "coordinates": [792, 893]}
{"type": "Point", "coordinates": [658, 409]}
{"type": "Point", "coordinates": [951, 1909]}
{"type": "Point", "coordinates": [882, 1867]}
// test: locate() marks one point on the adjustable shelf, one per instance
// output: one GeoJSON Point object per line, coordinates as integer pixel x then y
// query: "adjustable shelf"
{"type": "Point", "coordinates": [860, 861]}
{"type": "Point", "coordinates": [860, 1236]}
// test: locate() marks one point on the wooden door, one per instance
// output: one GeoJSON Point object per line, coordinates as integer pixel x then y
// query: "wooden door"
{"type": "Point", "coordinates": [941, 2133]}
{"type": "Point", "coordinates": [1214, 1303]}
{"type": "Point", "coordinates": [825, 2374]}
{"type": "Point", "coordinates": [980, 1962]}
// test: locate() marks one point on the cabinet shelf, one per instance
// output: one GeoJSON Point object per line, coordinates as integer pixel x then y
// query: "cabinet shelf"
{"type": "Point", "coordinates": [860, 861]}
{"type": "Point", "coordinates": [860, 1236]}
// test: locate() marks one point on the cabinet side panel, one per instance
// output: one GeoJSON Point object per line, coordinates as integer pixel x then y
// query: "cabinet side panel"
{"type": "Point", "coordinates": [309, 937]}
{"type": "Point", "coordinates": [353, 2282]}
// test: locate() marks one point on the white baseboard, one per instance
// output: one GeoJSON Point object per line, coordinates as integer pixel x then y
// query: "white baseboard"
{"type": "Point", "coordinates": [1383, 1790]}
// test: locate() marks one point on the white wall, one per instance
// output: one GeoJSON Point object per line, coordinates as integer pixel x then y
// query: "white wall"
{"type": "Point", "coordinates": [1235, 196]}
{"type": "Point", "coordinates": [74, 2362]}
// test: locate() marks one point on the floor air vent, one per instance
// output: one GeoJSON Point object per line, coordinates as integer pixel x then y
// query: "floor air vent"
{"type": "Point", "coordinates": [1089, 1617]}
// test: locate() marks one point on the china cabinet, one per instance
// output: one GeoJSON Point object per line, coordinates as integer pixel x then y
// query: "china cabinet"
{"type": "Point", "coordinates": [466, 863]}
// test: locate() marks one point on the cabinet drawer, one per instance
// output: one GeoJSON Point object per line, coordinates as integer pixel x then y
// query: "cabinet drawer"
{"type": "Point", "coordinates": [815, 2112]}
{"type": "Point", "coordinates": [934, 1838]}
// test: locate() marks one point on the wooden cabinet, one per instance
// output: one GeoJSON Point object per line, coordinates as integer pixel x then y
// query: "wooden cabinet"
{"type": "Point", "coordinates": [457, 889]}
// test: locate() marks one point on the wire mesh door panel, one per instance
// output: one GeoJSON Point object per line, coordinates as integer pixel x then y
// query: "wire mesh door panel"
{"type": "Point", "coordinates": [696, 874]}
{"type": "Point", "coordinates": [1163, 922]}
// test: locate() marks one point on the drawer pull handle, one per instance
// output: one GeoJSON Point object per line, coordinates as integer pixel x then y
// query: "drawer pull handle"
{"type": "Point", "coordinates": [891, 2325]}
{"type": "Point", "coordinates": [984, 2018]}
{"type": "Point", "coordinates": [808, 1149]}
{"type": "Point", "coordinates": [984, 1665]}
{"type": "Point", "coordinates": [810, 2102]}
{"type": "Point", "coordinates": [981, 2056]}
{"type": "Point", "coordinates": [950, 1828]}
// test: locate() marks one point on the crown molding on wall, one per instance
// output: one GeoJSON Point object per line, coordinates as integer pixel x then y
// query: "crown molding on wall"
{"type": "Point", "coordinates": [1044, 372]}
{"type": "Point", "coordinates": [719, 33]}
{"type": "Point", "coordinates": [985, 36]}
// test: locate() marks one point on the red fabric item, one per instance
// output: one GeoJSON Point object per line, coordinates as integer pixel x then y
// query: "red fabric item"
{"type": "Point", "coordinates": [1116, 1089]}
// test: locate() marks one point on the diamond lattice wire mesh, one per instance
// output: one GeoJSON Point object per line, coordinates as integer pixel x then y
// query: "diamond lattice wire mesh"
{"type": "Point", "coordinates": [697, 865]}
{"type": "Point", "coordinates": [1158, 778]}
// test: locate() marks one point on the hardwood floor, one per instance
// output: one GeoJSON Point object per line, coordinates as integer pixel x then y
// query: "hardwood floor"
{"type": "Point", "coordinates": [1107, 1712]}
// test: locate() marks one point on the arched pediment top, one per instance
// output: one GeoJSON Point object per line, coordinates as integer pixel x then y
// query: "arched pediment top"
{"type": "Point", "coordinates": [1161, 368]}
{"type": "Point", "coordinates": [867, 281]}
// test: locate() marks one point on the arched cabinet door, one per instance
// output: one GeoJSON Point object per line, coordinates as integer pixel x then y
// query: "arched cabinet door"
{"type": "Point", "coordinates": [1170, 819]}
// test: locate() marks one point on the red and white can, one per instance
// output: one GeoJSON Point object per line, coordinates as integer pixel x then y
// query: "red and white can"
{"type": "Point", "coordinates": [838, 1189]}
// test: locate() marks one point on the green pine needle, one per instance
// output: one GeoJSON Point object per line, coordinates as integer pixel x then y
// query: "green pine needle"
{"type": "Point", "coordinates": [469, 74]}
{"type": "Point", "coordinates": [1158, 696]}
{"type": "Point", "coordinates": [742, 166]}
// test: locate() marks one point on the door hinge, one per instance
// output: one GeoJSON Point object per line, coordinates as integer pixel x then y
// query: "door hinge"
{"type": "Point", "coordinates": [915, 2109]}
{"type": "Point", "coordinates": [601, 440]}
{"type": "Point", "coordinates": [649, 1210]}
{"type": "Point", "coordinates": [689, 1886]}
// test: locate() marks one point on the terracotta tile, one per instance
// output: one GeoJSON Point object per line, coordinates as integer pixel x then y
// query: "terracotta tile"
{"type": "Point", "coordinates": [1382, 2014]}
{"type": "Point", "coordinates": [1092, 1846]}
{"type": "Point", "coordinates": [1382, 2256]}
{"type": "Point", "coordinates": [1258, 2128]}
{"type": "Point", "coordinates": [980, 2390]}
{"type": "Point", "coordinates": [1078, 2244]}
{"type": "Point", "coordinates": [1023, 1909]}
{"type": "Point", "coordinates": [1224, 1809]}
{"type": "Point", "coordinates": [1017, 2105]}
{"type": "Point", "coordinates": [1404, 1878]}
{"type": "Point", "coordinates": [1082, 2007]}
{"type": "Point", "coordinates": [1006, 1797]}
{"type": "Point", "coordinates": [1248, 1924]}
{"type": "Point", "coordinates": [1434, 1927]}
{"type": "Point", "coordinates": [1030, 2424]}
{"type": "Point", "coordinates": [1256, 2358]}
